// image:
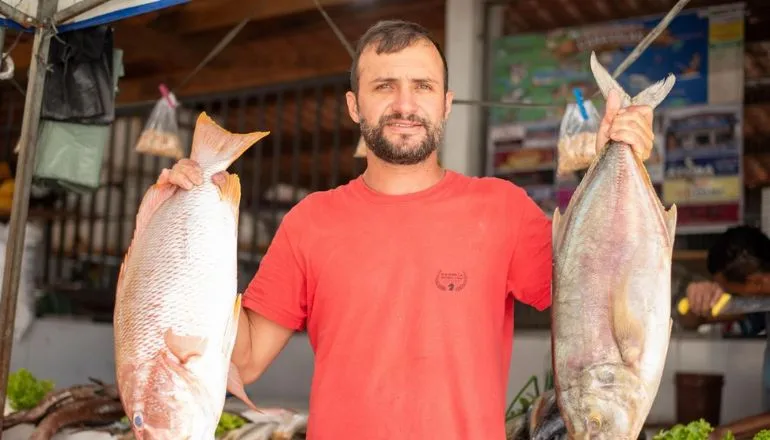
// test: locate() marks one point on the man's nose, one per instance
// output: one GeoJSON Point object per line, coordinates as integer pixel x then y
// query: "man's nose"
{"type": "Point", "coordinates": [405, 102]}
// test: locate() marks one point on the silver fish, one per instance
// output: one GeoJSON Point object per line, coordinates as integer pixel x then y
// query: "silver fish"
{"type": "Point", "coordinates": [611, 288]}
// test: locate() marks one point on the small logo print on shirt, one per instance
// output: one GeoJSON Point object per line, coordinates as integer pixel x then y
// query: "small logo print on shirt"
{"type": "Point", "coordinates": [451, 281]}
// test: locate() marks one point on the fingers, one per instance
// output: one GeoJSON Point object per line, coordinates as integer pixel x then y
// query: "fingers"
{"type": "Point", "coordinates": [633, 126]}
{"type": "Point", "coordinates": [219, 178]}
{"type": "Point", "coordinates": [703, 296]}
{"type": "Point", "coordinates": [185, 174]}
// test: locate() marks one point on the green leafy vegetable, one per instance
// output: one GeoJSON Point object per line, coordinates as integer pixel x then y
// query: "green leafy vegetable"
{"type": "Point", "coordinates": [25, 391]}
{"type": "Point", "coordinates": [227, 423]}
{"type": "Point", "coordinates": [762, 435]}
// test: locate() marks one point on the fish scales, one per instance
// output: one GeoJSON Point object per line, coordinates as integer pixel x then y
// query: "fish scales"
{"type": "Point", "coordinates": [177, 305]}
{"type": "Point", "coordinates": [611, 289]}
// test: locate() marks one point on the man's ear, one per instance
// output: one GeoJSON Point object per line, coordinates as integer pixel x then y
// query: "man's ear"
{"type": "Point", "coordinates": [448, 103]}
{"type": "Point", "coordinates": [352, 107]}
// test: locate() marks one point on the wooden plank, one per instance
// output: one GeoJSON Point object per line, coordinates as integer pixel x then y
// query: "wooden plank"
{"type": "Point", "coordinates": [202, 16]}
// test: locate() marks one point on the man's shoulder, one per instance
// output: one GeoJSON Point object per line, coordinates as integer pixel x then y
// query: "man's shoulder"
{"type": "Point", "coordinates": [497, 186]}
{"type": "Point", "coordinates": [318, 201]}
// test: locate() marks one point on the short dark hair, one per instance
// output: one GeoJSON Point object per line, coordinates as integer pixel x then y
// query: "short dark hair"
{"type": "Point", "coordinates": [392, 36]}
{"type": "Point", "coordinates": [739, 252]}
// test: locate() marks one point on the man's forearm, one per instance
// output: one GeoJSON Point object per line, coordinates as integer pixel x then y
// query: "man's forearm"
{"type": "Point", "coordinates": [257, 344]}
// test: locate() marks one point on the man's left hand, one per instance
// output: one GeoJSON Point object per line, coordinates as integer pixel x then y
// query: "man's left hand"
{"type": "Point", "coordinates": [631, 125]}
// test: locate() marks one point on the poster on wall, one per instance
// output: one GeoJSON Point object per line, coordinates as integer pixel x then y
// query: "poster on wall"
{"type": "Point", "coordinates": [703, 166]}
{"type": "Point", "coordinates": [702, 47]}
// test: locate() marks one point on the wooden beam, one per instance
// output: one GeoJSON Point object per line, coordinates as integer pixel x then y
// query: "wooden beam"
{"type": "Point", "coordinates": [271, 61]}
{"type": "Point", "coordinates": [202, 16]}
{"type": "Point", "coordinates": [310, 50]}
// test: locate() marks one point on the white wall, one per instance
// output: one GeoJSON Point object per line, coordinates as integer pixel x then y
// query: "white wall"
{"type": "Point", "coordinates": [69, 352]}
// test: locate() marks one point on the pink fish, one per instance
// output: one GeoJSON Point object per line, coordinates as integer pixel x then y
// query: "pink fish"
{"type": "Point", "coordinates": [177, 304]}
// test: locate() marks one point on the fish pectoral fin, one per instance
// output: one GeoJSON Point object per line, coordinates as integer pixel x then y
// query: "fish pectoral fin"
{"type": "Point", "coordinates": [235, 386]}
{"type": "Point", "coordinates": [184, 347]}
{"type": "Point", "coordinates": [628, 330]}
{"type": "Point", "coordinates": [230, 192]}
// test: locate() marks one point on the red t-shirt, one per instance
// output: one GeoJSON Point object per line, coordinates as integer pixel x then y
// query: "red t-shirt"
{"type": "Point", "coordinates": [408, 303]}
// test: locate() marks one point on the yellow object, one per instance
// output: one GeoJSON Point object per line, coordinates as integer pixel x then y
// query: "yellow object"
{"type": "Point", "coordinates": [684, 305]}
{"type": "Point", "coordinates": [5, 171]}
{"type": "Point", "coordinates": [6, 188]}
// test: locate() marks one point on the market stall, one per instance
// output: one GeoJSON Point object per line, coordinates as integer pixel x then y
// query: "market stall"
{"type": "Point", "coordinates": [47, 19]}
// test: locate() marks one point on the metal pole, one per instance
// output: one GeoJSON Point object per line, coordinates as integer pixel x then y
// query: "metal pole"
{"type": "Point", "coordinates": [2, 42]}
{"type": "Point", "coordinates": [19, 208]}
{"type": "Point", "coordinates": [16, 15]}
{"type": "Point", "coordinates": [75, 10]}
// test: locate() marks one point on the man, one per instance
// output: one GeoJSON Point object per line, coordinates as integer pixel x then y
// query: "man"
{"type": "Point", "coordinates": [739, 263]}
{"type": "Point", "coordinates": [405, 277]}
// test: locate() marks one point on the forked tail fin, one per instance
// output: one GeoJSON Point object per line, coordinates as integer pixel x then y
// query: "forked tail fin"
{"type": "Point", "coordinates": [652, 95]}
{"type": "Point", "coordinates": [215, 148]}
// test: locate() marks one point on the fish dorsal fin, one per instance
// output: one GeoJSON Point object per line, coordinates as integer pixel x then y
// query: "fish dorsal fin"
{"type": "Point", "coordinates": [671, 217]}
{"type": "Point", "coordinates": [555, 234]}
{"type": "Point", "coordinates": [230, 192]}
{"type": "Point", "coordinates": [152, 200]}
{"type": "Point", "coordinates": [234, 381]}
{"type": "Point", "coordinates": [231, 327]}
{"type": "Point", "coordinates": [184, 347]}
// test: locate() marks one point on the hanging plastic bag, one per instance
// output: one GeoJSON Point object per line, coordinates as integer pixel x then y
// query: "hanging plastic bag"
{"type": "Point", "coordinates": [160, 136]}
{"type": "Point", "coordinates": [577, 136]}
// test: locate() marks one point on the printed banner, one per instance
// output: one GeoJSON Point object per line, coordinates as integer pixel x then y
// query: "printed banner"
{"type": "Point", "coordinates": [702, 47]}
{"type": "Point", "coordinates": [703, 169]}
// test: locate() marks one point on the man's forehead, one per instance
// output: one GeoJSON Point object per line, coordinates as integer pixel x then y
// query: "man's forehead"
{"type": "Point", "coordinates": [413, 62]}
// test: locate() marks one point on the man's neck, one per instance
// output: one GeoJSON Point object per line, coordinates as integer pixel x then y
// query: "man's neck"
{"type": "Point", "coordinates": [392, 179]}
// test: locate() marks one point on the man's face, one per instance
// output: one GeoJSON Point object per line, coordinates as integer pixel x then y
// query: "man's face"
{"type": "Point", "coordinates": [401, 105]}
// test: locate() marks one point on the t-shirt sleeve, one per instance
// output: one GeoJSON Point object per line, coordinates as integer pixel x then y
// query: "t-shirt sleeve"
{"type": "Point", "coordinates": [530, 271]}
{"type": "Point", "coordinates": [278, 290]}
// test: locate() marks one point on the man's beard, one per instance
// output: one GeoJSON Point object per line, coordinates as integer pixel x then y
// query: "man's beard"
{"type": "Point", "coordinates": [401, 154]}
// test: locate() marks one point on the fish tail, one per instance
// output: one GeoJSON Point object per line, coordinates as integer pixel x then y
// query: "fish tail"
{"type": "Point", "coordinates": [651, 96]}
{"type": "Point", "coordinates": [215, 148]}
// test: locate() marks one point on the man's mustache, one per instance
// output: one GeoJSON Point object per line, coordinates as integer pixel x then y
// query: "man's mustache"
{"type": "Point", "coordinates": [401, 117]}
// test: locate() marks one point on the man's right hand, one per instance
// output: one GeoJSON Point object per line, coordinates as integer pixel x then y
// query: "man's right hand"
{"type": "Point", "coordinates": [702, 296]}
{"type": "Point", "coordinates": [186, 174]}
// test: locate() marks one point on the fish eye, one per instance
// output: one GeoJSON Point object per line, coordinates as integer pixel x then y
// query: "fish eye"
{"type": "Point", "coordinates": [138, 420]}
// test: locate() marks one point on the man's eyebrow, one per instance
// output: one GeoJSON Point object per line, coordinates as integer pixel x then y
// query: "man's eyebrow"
{"type": "Point", "coordinates": [415, 80]}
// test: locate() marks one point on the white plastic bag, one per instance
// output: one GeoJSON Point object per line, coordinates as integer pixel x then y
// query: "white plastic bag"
{"type": "Point", "coordinates": [577, 136]}
{"type": "Point", "coordinates": [160, 136]}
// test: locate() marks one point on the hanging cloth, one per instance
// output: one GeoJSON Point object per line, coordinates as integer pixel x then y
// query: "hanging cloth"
{"type": "Point", "coordinates": [78, 84]}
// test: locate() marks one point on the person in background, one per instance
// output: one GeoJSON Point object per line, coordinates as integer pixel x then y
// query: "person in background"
{"type": "Point", "coordinates": [739, 263]}
{"type": "Point", "coordinates": [405, 277]}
